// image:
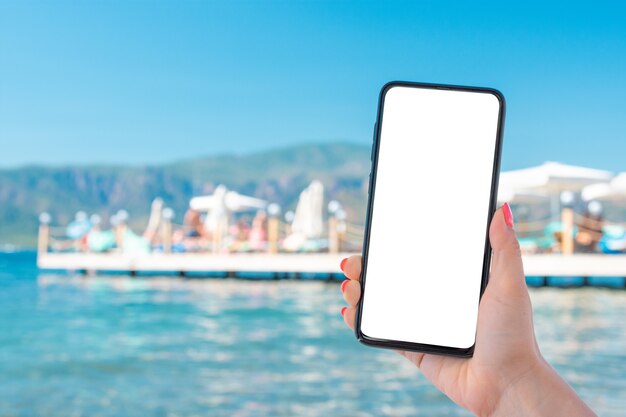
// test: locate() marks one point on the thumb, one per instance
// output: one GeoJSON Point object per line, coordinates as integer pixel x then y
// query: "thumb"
{"type": "Point", "coordinates": [507, 271]}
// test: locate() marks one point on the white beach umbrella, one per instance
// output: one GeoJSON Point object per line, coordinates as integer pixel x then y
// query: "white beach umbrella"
{"type": "Point", "coordinates": [615, 190]}
{"type": "Point", "coordinates": [551, 178]}
{"type": "Point", "coordinates": [224, 199]}
{"type": "Point", "coordinates": [154, 221]}
{"type": "Point", "coordinates": [221, 204]}
{"type": "Point", "coordinates": [520, 196]}
{"type": "Point", "coordinates": [309, 211]}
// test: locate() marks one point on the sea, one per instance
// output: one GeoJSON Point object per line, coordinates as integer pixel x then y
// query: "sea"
{"type": "Point", "coordinates": [116, 345]}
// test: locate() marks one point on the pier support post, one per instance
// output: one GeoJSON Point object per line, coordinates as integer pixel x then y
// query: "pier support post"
{"type": "Point", "coordinates": [120, 232]}
{"type": "Point", "coordinates": [273, 228]}
{"type": "Point", "coordinates": [44, 234]}
{"type": "Point", "coordinates": [166, 229]}
{"type": "Point", "coordinates": [567, 235]}
{"type": "Point", "coordinates": [272, 235]}
{"type": "Point", "coordinates": [42, 244]}
{"type": "Point", "coordinates": [167, 236]}
{"type": "Point", "coordinates": [336, 226]}
{"type": "Point", "coordinates": [333, 235]}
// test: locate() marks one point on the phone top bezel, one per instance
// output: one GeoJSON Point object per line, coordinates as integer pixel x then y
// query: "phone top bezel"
{"type": "Point", "coordinates": [410, 346]}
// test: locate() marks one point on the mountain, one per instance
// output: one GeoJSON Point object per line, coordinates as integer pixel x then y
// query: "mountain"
{"type": "Point", "coordinates": [276, 175]}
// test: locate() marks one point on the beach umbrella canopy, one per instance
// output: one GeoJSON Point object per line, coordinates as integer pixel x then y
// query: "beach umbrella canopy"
{"type": "Point", "coordinates": [615, 190]}
{"type": "Point", "coordinates": [552, 177]}
{"type": "Point", "coordinates": [221, 204]}
{"type": "Point", "coordinates": [521, 196]}
{"type": "Point", "coordinates": [223, 199]}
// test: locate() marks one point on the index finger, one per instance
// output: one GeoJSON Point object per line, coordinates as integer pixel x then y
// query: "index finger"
{"type": "Point", "coordinates": [351, 267]}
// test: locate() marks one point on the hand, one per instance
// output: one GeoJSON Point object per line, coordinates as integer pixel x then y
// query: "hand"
{"type": "Point", "coordinates": [507, 376]}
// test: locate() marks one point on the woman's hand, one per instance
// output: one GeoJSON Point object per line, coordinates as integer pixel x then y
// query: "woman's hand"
{"type": "Point", "coordinates": [507, 375]}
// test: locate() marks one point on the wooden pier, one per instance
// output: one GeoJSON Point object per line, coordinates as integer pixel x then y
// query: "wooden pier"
{"type": "Point", "coordinates": [197, 263]}
{"type": "Point", "coordinates": [569, 270]}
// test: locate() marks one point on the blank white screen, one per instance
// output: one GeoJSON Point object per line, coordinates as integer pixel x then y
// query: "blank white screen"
{"type": "Point", "coordinates": [429, 216]}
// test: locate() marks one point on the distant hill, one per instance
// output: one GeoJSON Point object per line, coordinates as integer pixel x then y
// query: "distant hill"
{"type": "Point", "coordinates": [276, 175]}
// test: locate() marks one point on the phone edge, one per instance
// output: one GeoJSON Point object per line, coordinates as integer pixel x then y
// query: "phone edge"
{"type": "Point", "coordinates": [418, 347]}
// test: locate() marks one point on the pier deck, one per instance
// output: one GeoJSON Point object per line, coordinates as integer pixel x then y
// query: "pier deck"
{"type": "Point", "coordinates": [545, 266]}
{"type": "Point", "coordinates": [194, 262]}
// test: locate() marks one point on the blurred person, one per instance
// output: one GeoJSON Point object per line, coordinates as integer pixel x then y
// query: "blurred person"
{"type": "Point", "coordinates": [240, 230]}
{"type": "Point", "coordinates": [590, 228]}
{"type": "Point", "coordinates": [77, 231]}
{"type": "Point", "coordinates": [258, 232]}
{"type": "Point", "coordinates": [193, 225]}
{"type": "Point", "coordinates": [240, 233]}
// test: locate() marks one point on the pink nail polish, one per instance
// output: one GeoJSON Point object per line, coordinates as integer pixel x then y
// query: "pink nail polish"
{"type": "Point", "coordinates": [343, 285]}
{"type": "Point", "coordinates": [508, 215]}
{"type": "Point", "coordinates": [343, 263]}
{"type": "Point", "coordinates": [343, 310]}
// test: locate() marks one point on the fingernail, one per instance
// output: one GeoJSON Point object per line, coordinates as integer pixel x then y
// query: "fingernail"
{"type": "Point", "coordinates": [508, 215]}
{"type": "Point", "coordinates": [343, 263]}
{"type": "Point", "coordinates": [343, 285]}
{"type": "Point", "coordinates": [343, 310]}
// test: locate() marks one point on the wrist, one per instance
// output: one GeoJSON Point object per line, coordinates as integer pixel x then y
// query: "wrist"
{"type": "Point", "coordinates": [540, 391]}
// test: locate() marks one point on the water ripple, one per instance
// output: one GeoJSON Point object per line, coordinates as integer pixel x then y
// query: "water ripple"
{"type": "Point", "coordinates": [112, 346]}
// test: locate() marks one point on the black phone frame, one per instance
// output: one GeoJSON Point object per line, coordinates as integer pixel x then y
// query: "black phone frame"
{"type": "Point", "coordinates": [410, 346]}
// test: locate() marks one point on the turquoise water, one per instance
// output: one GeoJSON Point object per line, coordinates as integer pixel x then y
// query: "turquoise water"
{"type": "Point", "coordinates": [121, 346]}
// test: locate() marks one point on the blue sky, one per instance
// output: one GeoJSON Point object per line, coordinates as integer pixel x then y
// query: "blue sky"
{"type": "Point", "coordinates": [148, 82]}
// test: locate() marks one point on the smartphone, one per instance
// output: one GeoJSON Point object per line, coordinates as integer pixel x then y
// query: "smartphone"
{"type": "Point", "coordinates": [432, 194]}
